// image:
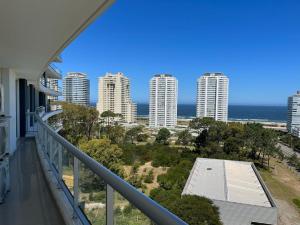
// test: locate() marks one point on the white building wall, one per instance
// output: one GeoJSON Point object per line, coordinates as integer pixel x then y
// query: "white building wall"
{"type": "Point", "coordinates": [76, 88]}
{"type": "Point", "coordinates": [8, 79]}
{"type": "Point", "coordinates": [114, 95]}
{"type": "Point", "coordinates": [212, 96]}
{"type": "Point", "coordinates": [294, 112]}
{"type": "Point", "coordinates": [163, 101]}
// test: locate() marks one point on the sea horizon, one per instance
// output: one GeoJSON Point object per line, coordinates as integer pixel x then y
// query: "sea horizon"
{"type": "Point", "coordinates": [266, 113]}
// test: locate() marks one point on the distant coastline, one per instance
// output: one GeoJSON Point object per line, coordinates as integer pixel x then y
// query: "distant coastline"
{"type": "Point", "coordinates": [245, 113]}
{"type": "Point", "coordinates": [277, 114]}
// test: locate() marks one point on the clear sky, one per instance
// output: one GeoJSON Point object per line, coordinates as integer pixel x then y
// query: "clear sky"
{"type": "Point", "coordinates": [255, 43]}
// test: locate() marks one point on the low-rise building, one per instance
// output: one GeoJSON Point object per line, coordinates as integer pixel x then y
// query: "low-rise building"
{"type": "Point", "coordinates": [236, 188]}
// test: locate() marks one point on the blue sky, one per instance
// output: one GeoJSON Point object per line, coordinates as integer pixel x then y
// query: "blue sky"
{"type": "Point", "coordinates": [255, 43]}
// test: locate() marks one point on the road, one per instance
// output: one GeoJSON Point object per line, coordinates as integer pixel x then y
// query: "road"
{"type": "Point", "coordinates": [287, 151]}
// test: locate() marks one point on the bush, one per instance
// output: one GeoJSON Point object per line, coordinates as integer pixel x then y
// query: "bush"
{"type": "Point", "coordinates": [296, 201]}
{"type": "Point", "coordinates": [176, 177]}
{"type": "Point", "coordinates": [196, 210]}
{"type": "Point", "coordinates": [165, 156]}
{"type": "Point", "coordinates": [149, 178]}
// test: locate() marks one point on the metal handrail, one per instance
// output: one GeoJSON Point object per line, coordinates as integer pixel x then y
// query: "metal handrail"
{"type": "Point", "coordinates": [146, 205]}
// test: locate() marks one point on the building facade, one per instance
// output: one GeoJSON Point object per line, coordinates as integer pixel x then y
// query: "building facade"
{"type": "Point", "coordinates": [114, 95]}
{"type": "Point", "coordinates": [76, 88]}
{"type": "Point", "coordinates": [163, 101]}
{"type": "Point", "coordinates": [294, 113]}
{"type": "Point", "coordinates": [212, 96]}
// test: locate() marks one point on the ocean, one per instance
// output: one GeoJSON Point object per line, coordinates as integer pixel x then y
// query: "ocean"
{"type": "Point", "coordinates": [236, 112]}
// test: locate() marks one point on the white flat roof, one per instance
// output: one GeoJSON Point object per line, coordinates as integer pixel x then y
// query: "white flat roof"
{"type": "Point", "coordinates": [225, 180]}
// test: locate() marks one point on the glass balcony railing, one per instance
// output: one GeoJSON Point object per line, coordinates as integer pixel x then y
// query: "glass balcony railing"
{"type": "Point", "coordinates": [97, 195]}
{"type": "Point", "coordinates": [50, 85]}
{"type": "Point", "coordinates": [55, 68]}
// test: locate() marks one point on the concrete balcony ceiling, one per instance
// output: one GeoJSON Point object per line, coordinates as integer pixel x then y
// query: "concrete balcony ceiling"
{"type": "Point", "coordinates": [34, 33]}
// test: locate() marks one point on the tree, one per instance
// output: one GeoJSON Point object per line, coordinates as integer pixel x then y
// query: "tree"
{"type": "Point", "coordinates": [218, 131]}
{"type": "Point", "coordinates": [104, 152]}
{"type": "Point", "coordinates": [176, 176]}
{"type": "Point", "coordinates": [133, 133]}
{"type": "Point", "coordinates": [108, 116]}
{"type": "Point", "coordinates": [201, 140]}
{"type": "Point", "coordinates": [201, 123]}
{"type": "Point", "coordinates": [196, 210]}
{"type": "Point", "coordinates": [184, 137]}
{"type": "Point", "coordinates": [163, 136]}
{"type": "Point", "coordinates": [78, 122]}
{"type": "Point", "coordinates": [115, 133]}
{"type": "Point", "coordinates": [142, 137]}
{"type": "Point", "coordinates": [233, 145]}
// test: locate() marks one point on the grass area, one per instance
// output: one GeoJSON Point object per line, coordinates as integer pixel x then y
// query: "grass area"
{"type": "Point", "coordinates": [282, 183]}
{"type": "Point", "coordinates": [296, 201]}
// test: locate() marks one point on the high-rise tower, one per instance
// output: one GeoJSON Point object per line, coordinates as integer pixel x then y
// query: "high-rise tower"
{"type": "Point", "coordinates": [212, 96]}
{"type": "Point", "coordinates": [76, 88]}
{"type": "Point", "coordinates": [163, 101]}
{"type": "Point", "coordinates": [293, 123]}
{"type": "Point", "coordinates": [114, 95]}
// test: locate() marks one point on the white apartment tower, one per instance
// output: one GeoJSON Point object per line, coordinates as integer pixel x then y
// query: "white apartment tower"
{"type": "Point", "coordinates": [114, 95]}
{"type": "Point", "coordinates": [76, 88]}
{"type": "Point", "coordinates": [294, 113]}
{"type": "Point", "coordinates": [163, 101]}
{"type": "Point", "coordinates": [212, 96]}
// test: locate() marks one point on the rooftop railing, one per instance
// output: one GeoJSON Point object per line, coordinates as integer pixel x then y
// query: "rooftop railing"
{"type": "Point", "coordinates": [97, 195]}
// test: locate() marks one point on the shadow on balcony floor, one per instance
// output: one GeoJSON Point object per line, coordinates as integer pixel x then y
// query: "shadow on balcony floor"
{"type": "Point", "coordinates": [30, 201]}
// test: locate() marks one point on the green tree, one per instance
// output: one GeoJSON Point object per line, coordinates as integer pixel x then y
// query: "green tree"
{"type": "Point", "coordinates": [196, 210]}
{"type": "Point", "coordinates": [176, 176]}
{"type": "Point", "coordinates": [133, 133]}
{"type": "Point", "coordinates": [163, 136]}
{"type": "Point", "coordinates": [233, 145]}
{"type": "Point", "coordinates": [201, 123]}
{"type": "Point", "coordinates": [184, 137]}
{"type": "Point", "coordinates": [115, 133]}
{"type": "Point", "coordinates": [104, 152]}
{"type": "Point", "coordinates": [108, 116]}
{"type": "Point", "coordinates": [78, 122]}
{"type": "Point", "coordinates": [142, 137]}
{"type": "Point", "coordinates": [201, 140]}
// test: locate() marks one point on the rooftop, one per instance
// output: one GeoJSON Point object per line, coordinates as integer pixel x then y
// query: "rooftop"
{"type": "Point", "coordinates": [213, 74]}
{"type": "Point", "coordinates": [224, 180]}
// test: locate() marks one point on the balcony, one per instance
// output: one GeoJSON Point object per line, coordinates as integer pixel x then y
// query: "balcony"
{"type": "Point", "coordinates": [53, 72]}
{"type": "Point", "coordinates": [84, 190]}
{"type": "Point", "coordinates": [47, 88]}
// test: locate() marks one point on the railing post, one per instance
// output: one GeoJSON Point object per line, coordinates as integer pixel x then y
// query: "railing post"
{"type": "Point", "coordinates": [109, 205]}
{"type": "Point", "coordinates": [60, 166]}
{"type": "Point", "coordinates": [75, 184]}
{"type": "Point", "coordinates": [44, 141]}
{"type": "Point", "coordinates": [51, 145]}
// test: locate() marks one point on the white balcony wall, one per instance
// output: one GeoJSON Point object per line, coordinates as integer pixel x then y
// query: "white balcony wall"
{"type": "Point", "coordinates": [8, 78]}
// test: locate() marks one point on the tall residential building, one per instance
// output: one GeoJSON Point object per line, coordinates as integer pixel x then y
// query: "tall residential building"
{"type": "Point", "coordinates": [163, 101]}
{"type": "Point", "coordinates": [76, 88]}
{"type": "Point", "coordinates": [212, 96]}
{"type": "Point", "coordinates": [114, 95]}
{"type": "Point", "coordinates": [294, 113]}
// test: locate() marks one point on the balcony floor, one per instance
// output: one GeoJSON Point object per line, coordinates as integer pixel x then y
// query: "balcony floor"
{"type": "Point", "coordinates": [30, 201]}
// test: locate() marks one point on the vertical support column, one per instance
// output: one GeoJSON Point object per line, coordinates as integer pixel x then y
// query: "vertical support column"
{"type": "Point", "coordinates": [76, 184]}
{"type": "Point", "coordinates": [8, 80]}
{"type": "Point", "coordinates": [109, 205]}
